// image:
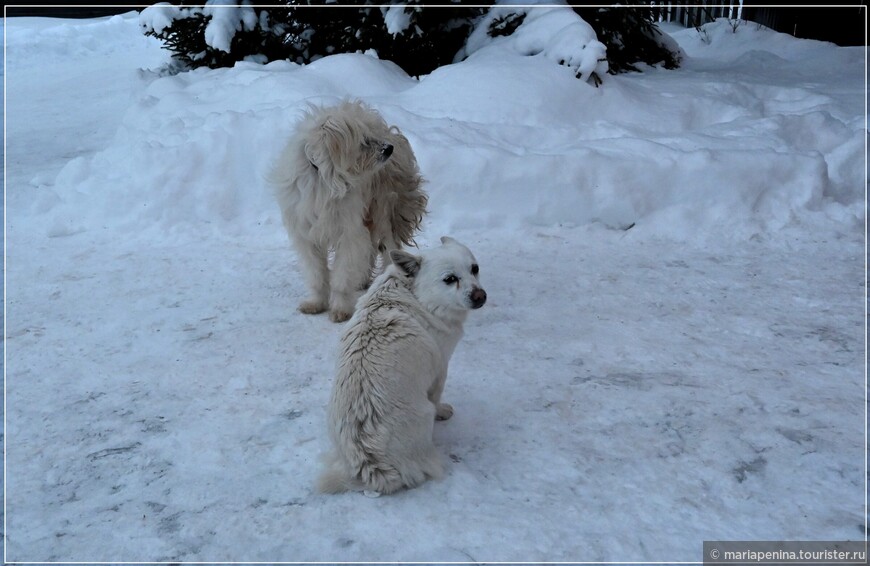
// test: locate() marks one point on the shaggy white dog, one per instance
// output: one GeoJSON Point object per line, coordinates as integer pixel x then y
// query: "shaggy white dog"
{"type": "Point", "coordinates": [348, 183]}
{"type": "Point", "coordinates": [392, 367]}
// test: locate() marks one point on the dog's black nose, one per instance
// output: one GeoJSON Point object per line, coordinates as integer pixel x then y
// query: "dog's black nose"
{"type": "Point", "coordinates": [387, 150]}
{"type": "Point", "coordinates": [478, 297]}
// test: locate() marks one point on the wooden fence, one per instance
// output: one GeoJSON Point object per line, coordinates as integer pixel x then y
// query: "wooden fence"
{"type": "Point", "coordinates": [695, 14]}
{"type": "Point", "coordinates": [843, 25]}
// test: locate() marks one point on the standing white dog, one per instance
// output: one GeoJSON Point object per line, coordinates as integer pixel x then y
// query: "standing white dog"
{"type": "Point", "coordinates": [392, 368]}
{"type": "Point", "coordinates": [349, 183]}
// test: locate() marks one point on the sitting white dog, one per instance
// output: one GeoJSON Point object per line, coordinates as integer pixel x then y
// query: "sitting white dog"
{"type": "Point", "coordinates": [392, 368]}
{"type": "Point", "coordinates": [347, 183]}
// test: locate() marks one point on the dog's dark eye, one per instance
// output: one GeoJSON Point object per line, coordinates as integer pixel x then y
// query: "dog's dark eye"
{"type": "Point", "coordinates": [474, 269]}
{"type": "Point", "coordinates": [451, 279]}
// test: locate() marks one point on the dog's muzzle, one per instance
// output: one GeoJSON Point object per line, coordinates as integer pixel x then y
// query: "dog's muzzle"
{"type": "Point", "coordinates": [478, 298]}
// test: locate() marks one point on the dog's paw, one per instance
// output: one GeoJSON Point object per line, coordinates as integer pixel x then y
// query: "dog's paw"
{"type": "Point", "coordinates": [312, 307]}
{"type": "Point", "coordinates": [443, 412]}
{"type": "Point", "coordinates": [339, 315]}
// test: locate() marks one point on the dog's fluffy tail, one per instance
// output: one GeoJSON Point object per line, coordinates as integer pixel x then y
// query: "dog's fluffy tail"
{"type": "Point", "coordinates": [333, 480]}
{"type": "Point", "coordinates": [337, 477]}
{"type": "Point", "coordinates": [380, 478]}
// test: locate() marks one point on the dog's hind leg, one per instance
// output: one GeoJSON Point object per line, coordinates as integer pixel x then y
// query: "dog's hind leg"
{"type": "Point", "coordinates": [314, 265]}
{"type": "Point", "coordinates": [388, 244]}
{"type": "Point", "coordinates": [409, 457]}
{"type": "Point", "coordinates": [351, 270]}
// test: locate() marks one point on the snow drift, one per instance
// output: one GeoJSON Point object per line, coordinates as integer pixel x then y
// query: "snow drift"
{"type": "Point", "coordinates": [504, 140]}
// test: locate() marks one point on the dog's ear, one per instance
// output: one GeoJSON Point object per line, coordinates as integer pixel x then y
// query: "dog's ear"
{"type": "Point", "coordinates": [408, 263]}
{"type": "Point", "coordinates": [334, 138]}
{"type": "Point", "coordinates": [447, 240]}
{"type": "Point", "coordinates": [322, 151]}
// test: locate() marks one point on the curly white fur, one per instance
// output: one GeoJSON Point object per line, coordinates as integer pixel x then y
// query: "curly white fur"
{"type": "Point", "coordinates": [348, 183]}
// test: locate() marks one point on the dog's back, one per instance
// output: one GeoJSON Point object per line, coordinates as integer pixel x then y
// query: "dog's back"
{"type": "Point", "coordinates": [380, 419]}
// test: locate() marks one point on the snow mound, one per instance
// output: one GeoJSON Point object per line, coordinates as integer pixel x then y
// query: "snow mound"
{"type": "Point", "coordinates": [475, 91]}
{"type": "Point", "coordinates": [721, 41]}
{"type": "Point", "coordinates": [503, 141]}
{"type": "Point", "coordinates": [36, 41]}
{"type": "Point", "coordinates": [555, 33]}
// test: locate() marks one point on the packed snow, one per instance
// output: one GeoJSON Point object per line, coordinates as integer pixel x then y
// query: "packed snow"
{"type": "Point", "coordinates": [673, 349]}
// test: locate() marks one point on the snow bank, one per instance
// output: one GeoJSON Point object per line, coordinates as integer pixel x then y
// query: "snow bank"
{"type": "Point", "coordinates": [42, 41]}
{"type": "Point", "coordinates": [553, 32]}
{"type": "Point", "coordinates": [507, 141]}
{"type": "Point", "coordinates": [720, 41]}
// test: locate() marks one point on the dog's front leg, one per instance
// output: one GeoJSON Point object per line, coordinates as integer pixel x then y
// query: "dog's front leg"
{"type": "Point", "coordinates": [351, 270]}
{"type": "Point", "coordinates": [443, 411]}
{"type": "Point", "coordinates": [314, 264]}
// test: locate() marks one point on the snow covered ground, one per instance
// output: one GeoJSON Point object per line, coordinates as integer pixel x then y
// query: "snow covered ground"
{"type": "Point", "coordinates": [673, 349]}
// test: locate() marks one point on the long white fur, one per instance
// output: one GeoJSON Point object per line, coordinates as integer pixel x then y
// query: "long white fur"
{"type": "Point", "coordinates": [391, 372]}
{"type": "Point", "coordinates": [336, 194]}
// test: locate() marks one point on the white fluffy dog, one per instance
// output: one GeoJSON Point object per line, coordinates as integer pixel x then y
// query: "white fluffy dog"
{"type": "Point", "coordinates": [392, 367]}
{"type": "Point", "coordinates": [347, 183]}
